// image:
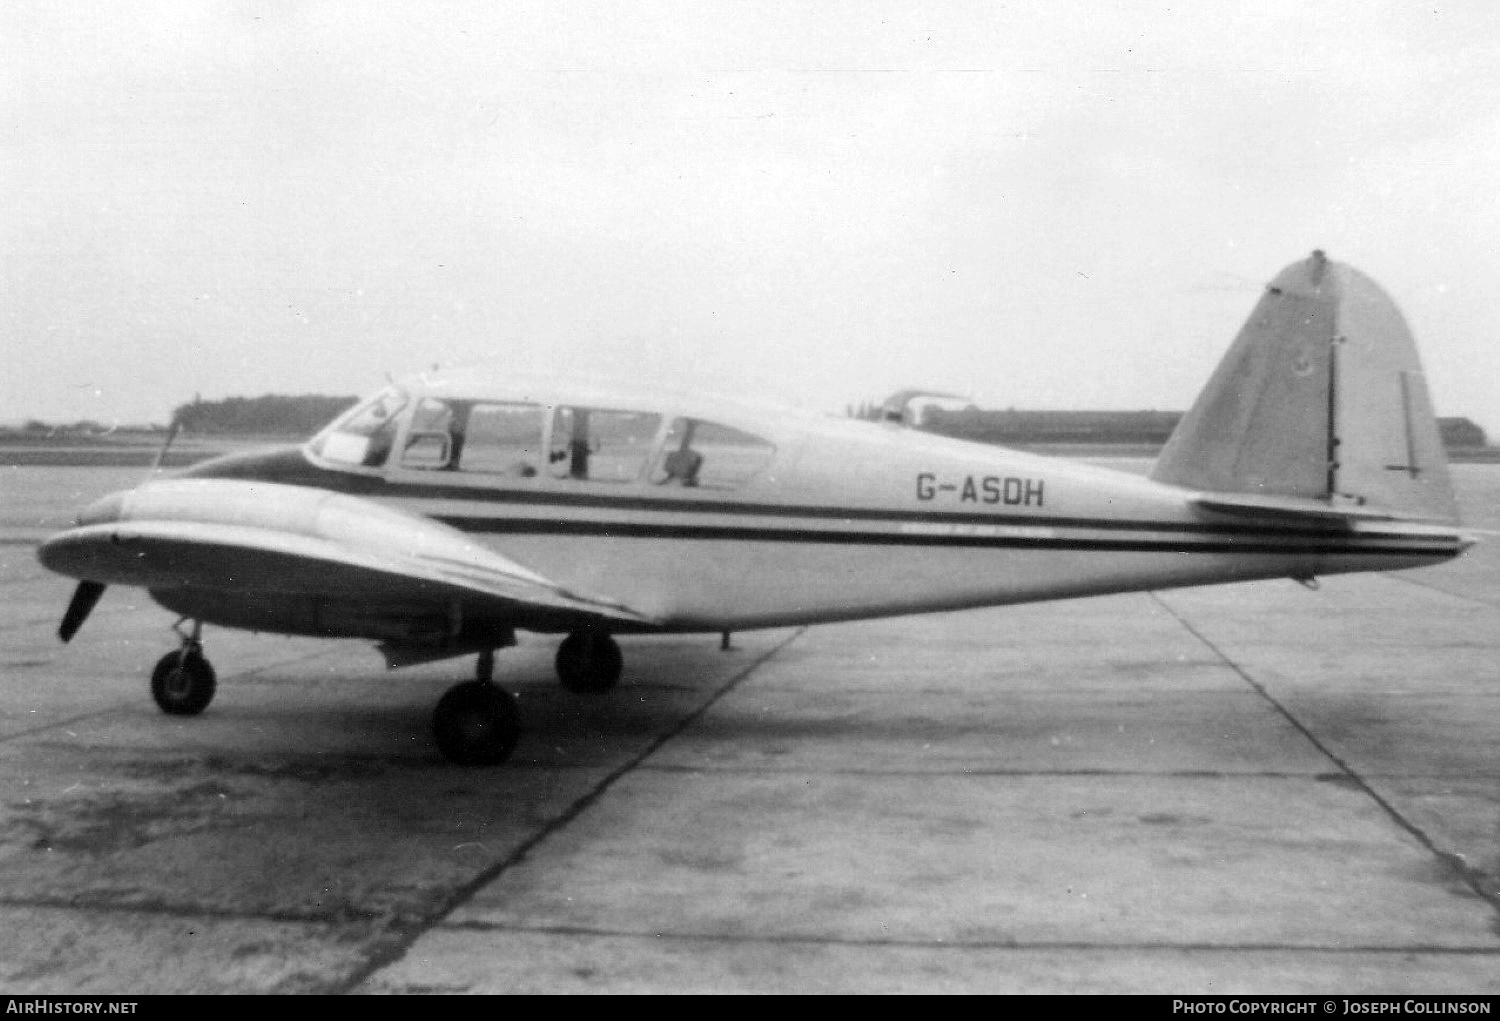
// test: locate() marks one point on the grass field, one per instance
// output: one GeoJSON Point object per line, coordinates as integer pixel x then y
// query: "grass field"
{"type": "Point", "coordinates": [122, 450]}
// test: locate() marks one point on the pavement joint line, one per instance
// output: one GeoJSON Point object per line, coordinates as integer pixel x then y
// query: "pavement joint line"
{"type": "Point", "coordinates": [48, 621]}
{"type": "Point", "coordinates": [28, 579]}
{"type": "Point", "coordinates": [63, 723]}
{"type": "Point", "coordinates": [194, 911]}
{"type": "Point", "coordinates": [1090, 693]}
{"type": "Point", "coordinates": [1170, 774]}
{"type": "Point", "coordinates": [1471, 877]}
{"type": "Point", "coordinates": [342, 918]}
{"type": "Point", "coordinates": [938, 943]}
{"type": "Point", "coordinates": [58, 724]}
{"type": "Point", "coordinates": [1429, 586]}
{"type": "Point", "coordinates": [402, 940]}
{"type": "Point", "coordinates": [305, 657]}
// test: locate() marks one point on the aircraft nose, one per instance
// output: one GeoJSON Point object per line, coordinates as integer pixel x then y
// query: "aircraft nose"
{"type": "Point", "coordinates": [103, 510]}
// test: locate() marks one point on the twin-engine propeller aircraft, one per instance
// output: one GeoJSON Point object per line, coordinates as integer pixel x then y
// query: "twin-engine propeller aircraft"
{"type": "Point", "coordinates": [444, 513]}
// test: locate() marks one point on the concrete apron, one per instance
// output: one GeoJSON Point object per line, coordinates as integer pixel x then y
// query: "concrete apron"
{"type": "Point", "coordinates": [1252, 788]}
{"type": "Point", "coordinates": [1255, 788]}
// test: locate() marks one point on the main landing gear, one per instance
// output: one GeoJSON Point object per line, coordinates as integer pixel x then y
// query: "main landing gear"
{"type": "Point", "coordinates": [477, 723]}
{"type": "Point", "coordinates": [183, 681]}
{"type": "Point", "coordinates": [589, 662]}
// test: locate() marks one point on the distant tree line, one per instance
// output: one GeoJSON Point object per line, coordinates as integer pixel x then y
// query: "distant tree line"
{"type": "Point", "coordinates": [1460, 432]}
{"type": "Point", "coordinates": [1151, 427]}
{"type": "Point", "coordinates": [270, 415]}
{"type": "Point", "coordinates": [282, 415]}
{"type": "Point", "coordinates": [1012, 426]}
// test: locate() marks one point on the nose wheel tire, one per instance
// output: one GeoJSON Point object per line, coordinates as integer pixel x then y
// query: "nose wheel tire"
{"type": "Point", "coordinates": [183, 683]}
{"type": "Point", "coordinates": [477, 724]}
{"type": "Point", "coordinates": [589, 662]}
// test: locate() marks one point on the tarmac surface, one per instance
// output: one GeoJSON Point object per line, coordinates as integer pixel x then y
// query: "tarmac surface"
{"type": "Point", "coordinates": [1254, 788]}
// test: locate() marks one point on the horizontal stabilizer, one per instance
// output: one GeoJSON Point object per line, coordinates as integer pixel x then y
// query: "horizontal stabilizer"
{"type": "Point", "coordinates": [1252, 505]}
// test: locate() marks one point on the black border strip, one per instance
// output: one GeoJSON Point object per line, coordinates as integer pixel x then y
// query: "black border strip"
{"type": "Point", "coordinates": [668, 505]}
{"type": "Point", "coordinates": [295, 470]}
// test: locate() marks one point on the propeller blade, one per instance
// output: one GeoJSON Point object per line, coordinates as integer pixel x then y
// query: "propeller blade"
{"type": "Point", "coordinates": [84, 597]}
{"type": "Point", "coordinates": [161, 455]}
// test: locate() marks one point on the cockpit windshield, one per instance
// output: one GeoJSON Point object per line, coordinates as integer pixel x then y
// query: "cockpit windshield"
{"type": "Point", "coordinates": [364, 434]}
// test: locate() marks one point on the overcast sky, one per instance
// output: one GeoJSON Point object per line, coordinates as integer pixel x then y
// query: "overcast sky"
{"type": "Point", "coordinates": [1041, 204]}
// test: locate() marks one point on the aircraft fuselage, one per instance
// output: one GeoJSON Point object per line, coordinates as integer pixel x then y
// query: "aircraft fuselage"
{"type": "Point", "coordinates": [853, 520]}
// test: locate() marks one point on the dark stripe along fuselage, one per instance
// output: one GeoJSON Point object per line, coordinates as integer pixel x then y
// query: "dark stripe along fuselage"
{"type": "Point", "coordinates": [494, 511]}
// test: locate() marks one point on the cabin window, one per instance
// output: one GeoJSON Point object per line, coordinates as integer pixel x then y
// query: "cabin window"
{"type": "Point", "coordinates": [430, 440]}
{"type": "Point", "coordinates": [364, 435]}
{"type": "Point", "coordinates": [709, 456]}
{"type": "Point", "coordinates": [502, 439]}
{"type": "Point", "coordinates": [485, 437]}
{"type": "Point", "coordinates": [601, 445]}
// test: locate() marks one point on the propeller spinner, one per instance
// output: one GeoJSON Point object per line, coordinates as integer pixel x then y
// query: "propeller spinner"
{"type": "Point", "coordinates": [86, 595]}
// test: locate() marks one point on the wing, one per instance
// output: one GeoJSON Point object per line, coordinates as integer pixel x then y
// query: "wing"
{"type": "Point", "coordinates": [259, 539]}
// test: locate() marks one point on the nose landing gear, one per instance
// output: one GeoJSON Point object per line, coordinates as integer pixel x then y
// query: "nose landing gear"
{"type": "Point", "coordinates": [183, 682]}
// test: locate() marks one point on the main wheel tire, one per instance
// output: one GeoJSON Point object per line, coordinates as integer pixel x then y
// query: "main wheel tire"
{"type": "Point", "coordinates": [183, 683]}
{"type": "Point", "coordinates": [477, 724]}
{"type": "Point", "coordinates": [589, 662]}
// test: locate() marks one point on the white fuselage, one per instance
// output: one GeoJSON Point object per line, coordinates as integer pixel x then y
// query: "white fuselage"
{"type": "Point", "coordinates": [864, 520]}
{"type": "Point", "coordinates": [645, 514]}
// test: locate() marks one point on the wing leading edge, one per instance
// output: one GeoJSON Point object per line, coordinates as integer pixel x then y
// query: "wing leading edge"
{"type": "Point", "coordinates": [263, 540]}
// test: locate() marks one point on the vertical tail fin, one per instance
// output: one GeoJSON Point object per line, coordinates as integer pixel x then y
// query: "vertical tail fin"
{"type": "Point", "coordinates": [1321, 396]}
